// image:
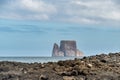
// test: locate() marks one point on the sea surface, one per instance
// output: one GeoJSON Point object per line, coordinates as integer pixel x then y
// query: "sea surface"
{"type": "Point", "coordinates": [36, 59]}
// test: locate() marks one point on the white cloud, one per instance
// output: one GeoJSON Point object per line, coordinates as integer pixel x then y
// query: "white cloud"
{"type": "Point", "coordinates": [28, 9]}
{"type": "Point", "coordinates": [37, 6]}
{"type": "Point", "coordinates": [76, 11]}
{"type": "Point", "coordinates": [80, 20]}
{"type": "Point", "coordinates": [93, 11]}
{"type": "Point", "coordinates": [25, 17]}
{"type": "Point", "coordinates": [113, 15]}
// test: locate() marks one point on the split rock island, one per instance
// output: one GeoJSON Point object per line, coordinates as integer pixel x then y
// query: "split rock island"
{"type": "Point", "coordinates": [67, 48]}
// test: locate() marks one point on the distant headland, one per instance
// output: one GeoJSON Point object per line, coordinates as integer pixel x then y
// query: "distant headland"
{"type": "Point", "coordinates": [67, 48]}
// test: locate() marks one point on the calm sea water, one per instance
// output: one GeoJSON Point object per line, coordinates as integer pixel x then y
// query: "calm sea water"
{"type": "Point", "coordinates": [36, 59]}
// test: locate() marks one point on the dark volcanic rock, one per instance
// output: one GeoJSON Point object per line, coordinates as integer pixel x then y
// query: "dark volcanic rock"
{"type": "Point", "coordinates": [99, 67]}
{"type": "Point", "coordinates": [67, 48]}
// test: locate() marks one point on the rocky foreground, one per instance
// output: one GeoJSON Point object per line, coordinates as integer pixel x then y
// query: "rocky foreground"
{"type": "Point", "coordinates": [99, 67]}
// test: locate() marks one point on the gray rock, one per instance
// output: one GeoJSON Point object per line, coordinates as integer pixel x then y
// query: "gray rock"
{"type": "Point", "coordinates": [67, 48]}
{"type": "Point", "coordinates": [69, 78]}
{"type": "Point", "coordinates": [43, 77]}
{"type": "Point", "coordinates": [56, 51]}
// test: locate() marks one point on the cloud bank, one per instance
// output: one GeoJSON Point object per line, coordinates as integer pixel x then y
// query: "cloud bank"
{"type": "Point", "coordinates": [75, 11]}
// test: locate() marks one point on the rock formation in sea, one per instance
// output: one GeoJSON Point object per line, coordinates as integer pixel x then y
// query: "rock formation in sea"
{"type": "Point", "coordinates": [67, 48]}
{"type": "Point", "coordinates": [56, 51]}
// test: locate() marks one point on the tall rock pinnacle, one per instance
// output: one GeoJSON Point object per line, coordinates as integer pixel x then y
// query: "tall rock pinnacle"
{"type": "Point", "coordinates": [67, 48]}
{"type": "Point", "coordinates": [56, 51]}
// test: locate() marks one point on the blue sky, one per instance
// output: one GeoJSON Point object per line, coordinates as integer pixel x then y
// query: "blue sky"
{"type": "Point", "coordinates": [31, 27]}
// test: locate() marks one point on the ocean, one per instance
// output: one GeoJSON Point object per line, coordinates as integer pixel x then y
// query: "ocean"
{"type": "Point", "coordinates": [36, 59]}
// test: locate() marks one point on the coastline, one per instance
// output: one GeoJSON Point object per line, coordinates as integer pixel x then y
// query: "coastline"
{"type": "Point", "coordinates": [99, 67]}
{"type": "Point", "coordinates": [36, 59]}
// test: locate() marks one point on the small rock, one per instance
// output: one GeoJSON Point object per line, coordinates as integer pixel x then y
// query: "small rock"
{"type": "Point", "coordinates": [80, 79]}
{"type": "Point", "coordinates": [24, 70]}
{"type": "Point", "coordinates": [89, 65]}
{"type": "Point", "coordinates": [82, 61]}
{"type": "Point", "coordinates": [103, 60]}
{"type": "Point", "coordinates": [84, 72]}
{"type": "Point", "coordinates": [69, 78]}
{"type": "Point", "coordinates": [42, 66]}
{"type": "Point", "coordinates": [43, 77]}
{"type": "Point", "coordinates": [66, 73]}
{"type": "Point", "coordinates": [74, 73]}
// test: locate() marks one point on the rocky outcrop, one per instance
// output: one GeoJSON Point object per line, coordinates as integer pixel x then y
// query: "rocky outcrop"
{"type": "Point", "coordinates": [56, 51]}
{"type": "Point", "coordinates": [67, 48]}
{"type": "Point", "coordinates": [99, 67]}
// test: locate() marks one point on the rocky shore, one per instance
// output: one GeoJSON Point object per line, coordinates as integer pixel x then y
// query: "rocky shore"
{"type": "Point", "coordinates": [99, 67]}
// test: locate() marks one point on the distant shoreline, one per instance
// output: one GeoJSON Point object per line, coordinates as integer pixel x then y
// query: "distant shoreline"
{"type": "Point", "coordinates": [36, 59]}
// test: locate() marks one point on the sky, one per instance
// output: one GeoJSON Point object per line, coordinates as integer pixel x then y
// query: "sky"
{"type": "Point", "coordinates": [31, 27]}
